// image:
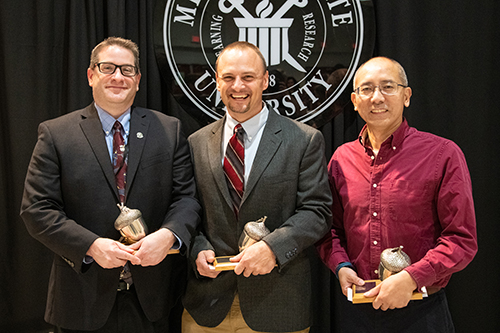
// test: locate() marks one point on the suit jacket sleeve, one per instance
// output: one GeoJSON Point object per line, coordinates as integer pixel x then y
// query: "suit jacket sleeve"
{"type": "Point", "coordinates": [312, 217]}
{"type": "Point", "coordinates": [42, 206]}
{"type": "Point", "coordinates": [182, 217]}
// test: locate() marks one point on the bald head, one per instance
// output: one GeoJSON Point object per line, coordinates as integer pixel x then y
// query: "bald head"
{"type": "Point", "coordinates": [242, 46]}
{"type": "Point", "coordinates": [382, 61]}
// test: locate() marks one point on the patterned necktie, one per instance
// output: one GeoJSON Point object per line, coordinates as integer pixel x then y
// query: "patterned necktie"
{"type": "Point", "coordinates": [234, 167]}
{"type": "Point", "coordinates": [119, 160]}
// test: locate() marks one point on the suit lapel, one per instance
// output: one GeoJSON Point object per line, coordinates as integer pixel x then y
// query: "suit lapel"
{"type": "Point", "coordinates": [215, 159]}
{"type": "Point", "coordinates": [268, 146]}
{"type": "Point", "coordinates": [92, 129]}
{"type": "Point", "coordinates": [139, 126]}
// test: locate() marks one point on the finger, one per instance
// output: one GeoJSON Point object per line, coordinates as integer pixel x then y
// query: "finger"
{"type": "Point", "coordinates": [238, 269]}
{"type": "Point", "coordinates": [117, 262]}
{"type": "Point", "coordinates": [134, 260]}
{"type": "Point", "coordinates": [360, 282]}
{"type": "Point", "coordinates": [236, 258]}
{"type": "Point", "coordinates": [206, 256]}
{"type": "Point", "coordinates": [125, 248]}
{"type": "Point", "coordinates": [208, 271]}
{"type": "Point", "coordinates": [135, 246]}
{"type": "Point", "coordinates": [376, 304]}
{"type": "Point", "coordinates": [210, 257]}
{"type": "Point", "coordinates": [345, 287]}
{"type": "Point", "coordinates": [373, 292]}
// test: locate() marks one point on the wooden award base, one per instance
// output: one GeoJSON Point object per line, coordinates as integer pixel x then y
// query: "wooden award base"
{"type": "Point", "coordinates": [223, 263]}
{"type": "Point", "coordinates": [169, 252]}
{"type": "Point", "coordinates": [355, 295]}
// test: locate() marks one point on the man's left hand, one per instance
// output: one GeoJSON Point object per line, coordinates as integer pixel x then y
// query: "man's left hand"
{"type": "Point", "coordinates": [394, 292]}
{"type": "Point", "coordinates": [257, 259]}
{"type": "Point", "coordinates": [153, 248]}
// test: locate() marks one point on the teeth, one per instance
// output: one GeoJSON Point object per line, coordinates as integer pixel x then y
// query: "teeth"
{"type": "Point", "coordinates": [239, 96]}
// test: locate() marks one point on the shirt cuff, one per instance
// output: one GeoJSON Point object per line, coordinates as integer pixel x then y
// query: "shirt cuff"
{"type": "Point", "coordinates": [342, 265]}
{"type": "Point", "coordinates": [178, 244]}
{"type": "Point", "coordinates": [88, 259]}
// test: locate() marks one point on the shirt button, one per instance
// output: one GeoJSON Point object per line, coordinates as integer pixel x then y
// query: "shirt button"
{"type": "Point", "coordinates": [394, 148]}
{"type": "Point", "coordinates": [375, 242]}
{"type": "Point", "coordinates": [376, 271]}
{"type": "Point", "coordinates": [372, 157]}
{"type": "Point", "coordinates": [374, 185]}
{"type": "Point", "coordinates": [375, 214]}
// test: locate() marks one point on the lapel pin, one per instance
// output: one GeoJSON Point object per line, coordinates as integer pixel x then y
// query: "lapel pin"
{"type": "Point", "coordinates": [140, 135]}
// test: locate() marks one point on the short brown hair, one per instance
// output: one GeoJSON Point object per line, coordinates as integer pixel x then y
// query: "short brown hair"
{"type": "Point", "coordinates": [241, 45]}
{"type": "Point", "coordinates": [118, 41]}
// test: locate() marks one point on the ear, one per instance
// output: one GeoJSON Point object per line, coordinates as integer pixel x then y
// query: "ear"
{"type": "Point", "coordinates": [138, 78]}
{"type": "Point", "coordinates": [217, 81]}
{"type": "Point", "coordinates": [353, 100]}
{"type": "Point", "coordinates": [90, 76]}
{"type": "Point", "coordinates": [408, 93]}
{"type": "Point", "coordinates": [265, 81]}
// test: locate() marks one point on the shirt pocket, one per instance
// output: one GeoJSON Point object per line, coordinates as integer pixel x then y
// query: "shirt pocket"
{"type": "Point", "coordinates": [411, 201]}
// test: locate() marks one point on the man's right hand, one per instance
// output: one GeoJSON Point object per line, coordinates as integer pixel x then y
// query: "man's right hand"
{"type": "Point", "coordinates": [203, 264]}
{"type": "Point", "coordinates": [348, 277]}
{"type": "Point", "coordinates": [111, 254]}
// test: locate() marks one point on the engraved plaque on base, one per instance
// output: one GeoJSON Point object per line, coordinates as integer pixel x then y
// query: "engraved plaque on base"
{"type": "Point", "coordinates": [392, 261]}
{"type": "Point", "coordinates": [253, 232]}
{"type": "Point", "coordinates": [355, 295]}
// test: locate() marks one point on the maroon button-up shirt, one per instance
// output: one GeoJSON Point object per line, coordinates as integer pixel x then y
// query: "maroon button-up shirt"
{"type": "Point", "coordinates": [416, 193]}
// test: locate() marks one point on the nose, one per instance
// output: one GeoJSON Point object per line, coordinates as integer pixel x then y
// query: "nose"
{"type": "Point", "coordinates": [118, 74]}
{"type": "Point", "coordinates": [377, 94]}
{"type": "Point", "coordinates": [238, 83]}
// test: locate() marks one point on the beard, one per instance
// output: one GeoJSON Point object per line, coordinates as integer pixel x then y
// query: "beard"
{"type": "Point", "coordinates": [238, 108]}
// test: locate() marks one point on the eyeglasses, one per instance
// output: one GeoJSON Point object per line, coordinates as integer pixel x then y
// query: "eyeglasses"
{"type": "Point", "coordinates": [110, 68]}
{"type": "Point", "coordinates": [388, 88]}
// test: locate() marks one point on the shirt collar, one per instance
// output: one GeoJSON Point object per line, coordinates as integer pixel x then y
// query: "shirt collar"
{"type": "Point", "coordinates": [395, 139]}
{"type": "Point", "coordinates": [251, 126]}
{"type": "Point", "coordinates": [107, 120]}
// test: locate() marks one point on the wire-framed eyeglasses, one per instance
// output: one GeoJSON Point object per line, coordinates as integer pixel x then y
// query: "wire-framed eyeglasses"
{"type": "Point", "coordinates": [387, 88]}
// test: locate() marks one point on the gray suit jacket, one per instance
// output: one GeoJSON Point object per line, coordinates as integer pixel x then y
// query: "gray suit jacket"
{"type": "Point", "coordinates": [288, 183]}
{"type": "Point", "coordinates": [70, 199]}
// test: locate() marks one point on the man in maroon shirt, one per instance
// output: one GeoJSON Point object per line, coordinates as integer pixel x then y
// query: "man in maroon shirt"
{"type": "Point", "coordinates": [397, 186]}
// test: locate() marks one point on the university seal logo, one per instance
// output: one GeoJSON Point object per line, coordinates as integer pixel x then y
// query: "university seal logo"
{"type": "Point", "coordinates": [312, 49]}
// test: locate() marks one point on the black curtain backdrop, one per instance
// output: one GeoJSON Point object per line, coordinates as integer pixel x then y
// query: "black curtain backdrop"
{"type": "Point", "coordinates": [447, 47]}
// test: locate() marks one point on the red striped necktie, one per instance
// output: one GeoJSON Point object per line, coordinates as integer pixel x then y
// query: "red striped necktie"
{"type": "Point", "coordinates": [234, 167]}
{"type": "Point", "coordinates": [119, 160]}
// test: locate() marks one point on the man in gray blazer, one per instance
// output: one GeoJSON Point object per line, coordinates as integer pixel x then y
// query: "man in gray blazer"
{"type": "Point", "coordinates": [284, 179]}
{"type": "Point", "coordinates": [71, 196]}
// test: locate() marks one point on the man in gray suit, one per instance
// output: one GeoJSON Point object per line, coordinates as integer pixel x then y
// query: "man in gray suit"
{"type": "Point", "coordinates": [71, 195]}
{"type": "Point", "coordinates": [284, 179]}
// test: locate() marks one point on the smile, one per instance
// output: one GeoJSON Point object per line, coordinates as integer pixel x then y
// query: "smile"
{"type": "Point", "coordinates": [239, 96]}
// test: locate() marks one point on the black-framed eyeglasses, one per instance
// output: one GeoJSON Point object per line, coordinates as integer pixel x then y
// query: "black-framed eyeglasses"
{"type": "Point", "coordinates": [110, 68]}
{"type": "Point", "coordinates": [387, 88]}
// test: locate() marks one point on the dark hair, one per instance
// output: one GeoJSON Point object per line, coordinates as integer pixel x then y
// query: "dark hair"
{"type": "Point", "coordinates": [117, 41]}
